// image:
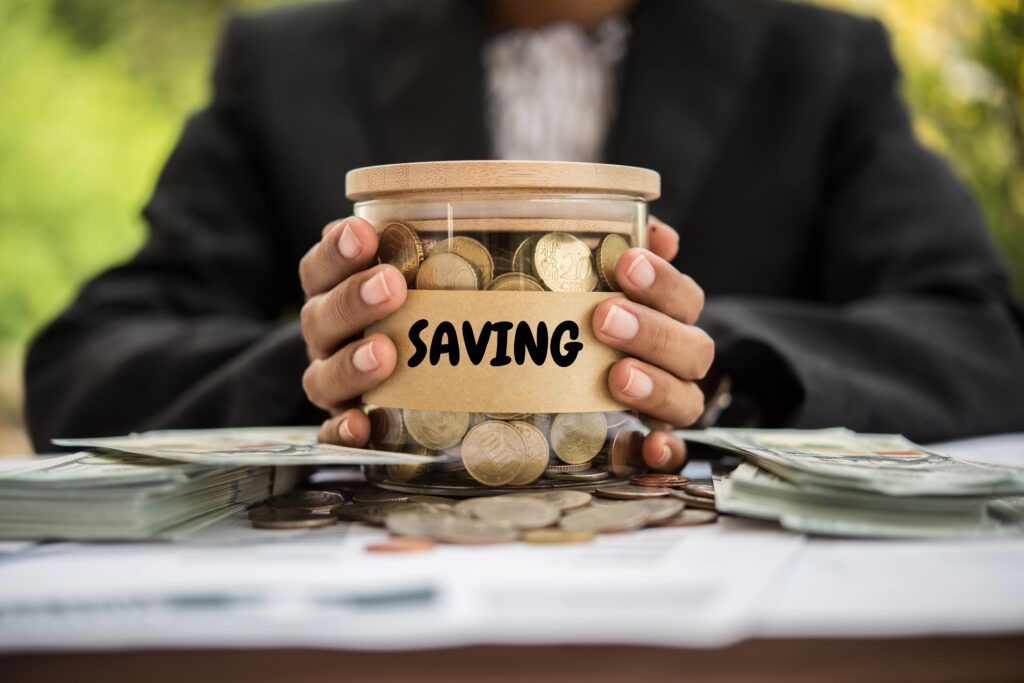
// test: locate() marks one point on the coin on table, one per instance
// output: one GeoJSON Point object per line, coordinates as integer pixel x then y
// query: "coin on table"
{"type": "Point", "coordinates": [631, 492]}
{"type": "Point", "coordinates": [548, 536]}
{"type": "Point", "coordinates": [626, 453]}
{"type": "Point", "coordinates": [605, 518]}
{"type": "Point", "coordinates": [294, 520]}
{"type": "Point", "coordinates": [660, 509]}
{"type": "Point", "coordinates": [416, 522]}
{"type": "Point", "coordinates": [515, 282]}
{"type": "Point", "coordinates": [494, 453]}
{"type": "Point", "coordinates": [660, 480]}
{"type": "Point", "coordinates": [536, 454]}
{"type": "Point", "coordinates": [522, 258]}
{"type": "Point", "coordinates": [436, 430]}
{"type": "Point", "coordinates": [471, 250]}
{"type": "Point", "coordinates": [518, 513]}
{"type": "Point", "coordinates": [464, 531]}
{"type": "Point", "coordinates": [589, 474]}
{"type": "Point", "coordinates": [402, 544]}
{"type": "Point", "coordinates": [448, 271]}
{"type": "Point", "coordinates": [399, 245]}
{"type": "Point", "coordinates": [380, 496]}
{"type": "Point", "coordinates": [690, 517]}
{"type": "Point", "coordinates": [563, 263]}
{"type": "Point", "coordinates": [306, 501]}
{"type": "Point", "coordinates": [387, 430]}
{"type": "Point", "coordinates": [700, 490]}
{"type": "Point", "coordinates": [578, 437]}
{"type": "Point", "coordinates": [563, 500]}
{"type": "Point", "coordinates": [608, 253]}
{"type": "Point", "coordinates": [263, 511]}
{"type": "Point", "coordinates": [694, 501]}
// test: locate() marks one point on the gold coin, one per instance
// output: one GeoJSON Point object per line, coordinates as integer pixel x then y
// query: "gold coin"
{"type": "Point", "coordinates": [584, 475]}
{"type": "Point", "coordinates": [448, 271]}
{"type": "Point", "coordinates": [558, 536]}
{"type": "Point", "coordinates": [563, 500]}
{"type": "Point", "coordinates": [631, 492]}
{"type": "Point", "coordinates": [507, 416]}
{"type": "Point", "coordinates": [626, 453]}
{"type": "Point", "coordinates": [471, 250]}
{"type": "Point", "coordinates": [403, 472]}
{"type": "Point", "coordinates": [518, 513]}
{"type": "Point", "coordinates": [578, 437]}
{"type": "Point", "coordinates": [536, 459]}
{"type": "Point", "coordinates": [387, 432]}
{"type": "Point", "coordinates": [515, 282]}
{"type": "Point", "coordinates": [564, 264]}
{"type": "Point", "coordinates": [494, 453]}
{"type": "Point", "coordinates": [605, 518]}
{"type": "Point", "coordinates": [608, 253]}
{"type": "Point", "coordinates": [522, 258]}
{"type": "Point", "coordinates": [399, 245]}
{"type": "Point", "coordinates": [436, 430]}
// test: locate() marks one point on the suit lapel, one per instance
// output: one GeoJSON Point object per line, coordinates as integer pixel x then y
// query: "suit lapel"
{"type": "Point", "coordinates": [687, 67]}
{"type": "Point", "coordinates": [425, 78]}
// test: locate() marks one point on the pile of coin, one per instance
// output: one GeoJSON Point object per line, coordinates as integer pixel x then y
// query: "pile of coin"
{"type": "Point", "coordinates": [417, 522]}
{"type": "Point", "coordinates": [514, 449]}
{"type": "Point", "coordinates": [553, 261]}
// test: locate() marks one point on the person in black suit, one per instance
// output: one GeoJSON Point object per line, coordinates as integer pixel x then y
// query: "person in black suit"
{"type": "Point", "coordinates": [848, 276]}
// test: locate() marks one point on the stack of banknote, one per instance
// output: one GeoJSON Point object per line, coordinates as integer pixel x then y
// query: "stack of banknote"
{"type": "Point", "coordinates": [158, 485]}
{"type": "Point", "coordinates": [837, 482]}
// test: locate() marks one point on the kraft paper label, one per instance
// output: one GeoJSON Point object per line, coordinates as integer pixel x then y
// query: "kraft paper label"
{"type": "Point", "coordinates": [497, 352]}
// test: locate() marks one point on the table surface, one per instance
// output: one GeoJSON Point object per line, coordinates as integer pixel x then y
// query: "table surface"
{"type": "Point", "coordinates": [839, 610]}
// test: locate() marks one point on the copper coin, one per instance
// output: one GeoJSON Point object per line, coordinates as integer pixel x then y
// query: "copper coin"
{"type": "Point", "coordinates": [664, 480]}
{"type": "Point", "coordinates": [402, 544]}
{"type": "Point", "coordinates": [626, 453]}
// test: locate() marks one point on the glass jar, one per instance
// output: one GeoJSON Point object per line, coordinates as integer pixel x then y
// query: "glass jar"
{"type": "Point", "coordinates": [499, 376]}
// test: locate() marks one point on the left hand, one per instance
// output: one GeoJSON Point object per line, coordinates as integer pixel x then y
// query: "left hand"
{"type": "Point", "coordinates": [667, 354]}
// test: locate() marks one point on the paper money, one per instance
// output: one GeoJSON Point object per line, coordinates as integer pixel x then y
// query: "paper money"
{"type": "Point", "coordinates": [254, 446]}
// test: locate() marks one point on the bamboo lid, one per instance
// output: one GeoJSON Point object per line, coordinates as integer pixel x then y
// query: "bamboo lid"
{"type": "Point", "coordinates": [374, 182]}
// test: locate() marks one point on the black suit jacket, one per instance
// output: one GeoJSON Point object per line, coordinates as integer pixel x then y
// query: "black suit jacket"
{"type": "Point", "coordinates": [850, 280]}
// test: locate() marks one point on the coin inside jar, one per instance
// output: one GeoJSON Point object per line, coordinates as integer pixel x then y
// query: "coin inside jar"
{"type": "Point", "coordinates": [522, 258]}
{"type": "Point", "coordinates": [494, 453]}
{"type": "Point", "coordinates": [436, 430]}
{"type": "Point", "coordinates": [399, 245]}
{"type": "Point", "coordinates": [448, 271]}
{"type": "Point", "coordinates": [535, 458]}
{"type": "Point", "coordinates": [626, 453]}
{"type": "Point", "coordinates": [578, 437]}
{"type": "Point", "coordinates": [387, 429]}
{"type": "Point", "coordinates": [608, 253]}
{"type": "Point", "coordinates": [515, 282]}
{"type": "Point", "coordinates": [563, 263]}
{"type": "Point", "coordinates": [471, 250]}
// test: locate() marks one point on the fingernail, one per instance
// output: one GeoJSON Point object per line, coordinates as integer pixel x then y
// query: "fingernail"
{"type": "Point", "coordinates": [620, 323]}
{"type": "Point", "coordinates": [348, 244]}
{"type": "Point", "coordinates": [375, 290]}
{"type": "Point", "coordinates": [363, 358]}
{"type": "Point", "coordinates": [344, 432]}
{"type": "Point", "coordinates": [666, 455]}
{"type": "Point", "coordinates": [640, 272]}
{"type": "Point", "coordinates": [638, 384]}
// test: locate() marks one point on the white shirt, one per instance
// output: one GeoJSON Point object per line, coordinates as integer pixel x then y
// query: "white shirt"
{"type": "Point", "coordinates": [551, 92]}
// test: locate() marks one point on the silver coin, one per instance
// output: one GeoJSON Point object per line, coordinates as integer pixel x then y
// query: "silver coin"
{"type": "Point", "coordinates": [660, 509]}
{"type": "Point", "coordinates": [700, 490]}
{"type": "Point", "coordinates": [563, 500]}
{"type": "Point", "coordinates": [306, 501]}
{"type": "Point", "coordinates": [463, 531]}
{"type": "Point", "coordinates": [693, 501]}
{"type": "Point", "coordinates": [415, 522]}
{"type": "Point", "coordinates": [605, 518]}
{"type": "Point", "coordinates": [380, 496]}
{"type": "Point", "coordinates": [516, 512]}
{"type": "Point", "coordinates": [632, 492]}
{"type": "Point", "coordinates": [583, 475]}
{"type": "Point", "coordinates": [294, 520]}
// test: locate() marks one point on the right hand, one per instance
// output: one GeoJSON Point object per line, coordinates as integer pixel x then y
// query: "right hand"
{"type": "Point", "coordinates": [343, 297]}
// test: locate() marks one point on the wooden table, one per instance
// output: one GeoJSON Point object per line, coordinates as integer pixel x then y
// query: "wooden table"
{"type": "Point", "coordinates": [928, 660]}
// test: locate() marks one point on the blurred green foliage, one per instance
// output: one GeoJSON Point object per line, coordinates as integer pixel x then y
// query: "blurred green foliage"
{"type": "Point", "coordinates": [95, 92]}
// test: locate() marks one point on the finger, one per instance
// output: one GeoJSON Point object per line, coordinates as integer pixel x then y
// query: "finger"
{"type": "Point", "coordinates": [663, 452]}
{"type": "Point", "coordinates": [347, 246]}
{"type": "Point", "coordinates": [683, 350]}
{"type": "Point", "coordinates": [350, 372]}
{"type": "Point", "coordinates": [350, 428]}
{"type": "Point", "coordinates": [653, 281]}
{"type": "Point", "coordinates": [653, 391]}
{"type": "Point", "coordinates": [662, 239]}
{"type": "Point", "coordinates": [330, 318]}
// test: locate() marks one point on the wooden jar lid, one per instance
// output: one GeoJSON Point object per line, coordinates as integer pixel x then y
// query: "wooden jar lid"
{"type": "Point", "coordinates": [374, 182]}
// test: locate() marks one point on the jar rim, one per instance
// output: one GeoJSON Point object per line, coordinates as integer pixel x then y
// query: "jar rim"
{"type": "Point", "coordinates": [373, 182]}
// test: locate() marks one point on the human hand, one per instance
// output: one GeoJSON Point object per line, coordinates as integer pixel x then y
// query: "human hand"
{"type": "Point", "coordinates": [654, 326]}
{"type": "Point", "coordinates": [343, 297]}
